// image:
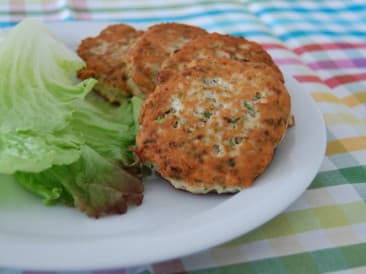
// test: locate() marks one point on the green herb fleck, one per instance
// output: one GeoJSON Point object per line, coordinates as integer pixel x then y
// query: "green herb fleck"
{"type": "Point", "coordinates": [207, 114]}
{"type": "Point", "coordinates": [160, 119]}
{"type": "Point", "coordinates": [250, 108]}
{"type": "Point", "coordinates": [231, 142]}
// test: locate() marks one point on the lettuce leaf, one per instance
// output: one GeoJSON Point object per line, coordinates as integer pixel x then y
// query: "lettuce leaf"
{"type": "Point", "coordinates": [38, 92]}
{"type": "Point", "coordinates": [93, 184]}
{"type": "Point", "coordinates": [55, 141]}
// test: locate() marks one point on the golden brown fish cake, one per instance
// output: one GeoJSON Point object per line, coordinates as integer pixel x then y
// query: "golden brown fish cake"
{"type": "Point", "coordinates": [215, 125]}
{"type": "Point", "coordinates": [151, 49]}
{"type": "Point", "coordinates": [105, 58]}
{"type": "Point", "coordinates": [216, 45]}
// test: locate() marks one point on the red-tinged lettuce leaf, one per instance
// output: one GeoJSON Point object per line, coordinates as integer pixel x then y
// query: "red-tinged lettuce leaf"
{"type": "Point", "coordinates": [92, 184]}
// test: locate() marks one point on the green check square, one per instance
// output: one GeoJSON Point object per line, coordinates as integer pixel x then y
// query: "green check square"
{"type": "Point", "coordinates": [268, 266]}
{"type": "Point", "coordinates": [304, 220]}
{"type": "Point", "coordinates": [207, 271]}
{"type": "Point", "coordinates": [279, 226]}
{"type": "Point", "coordinates": [255, 235]}
{"type": "Point", "coordinates": [329, 260]}
{"type": "Point", "coordinates": [330, 216]}
{"type": "Point", "coordinates": [355, 255]}
{"type": "Point", "coordinates": [234, 269]}
{"type": "Point", "coordinates": [302, 263]}
{"type": "Point", "coordinates": [355, 212]}
{"type": "Point", "coordinates": [328, 178]}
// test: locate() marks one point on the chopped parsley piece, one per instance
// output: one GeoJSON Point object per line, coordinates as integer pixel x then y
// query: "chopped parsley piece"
{"type": "Point", "coordinates": [249, 106]}
{"type": "Point", "coordinates": [207, 114]}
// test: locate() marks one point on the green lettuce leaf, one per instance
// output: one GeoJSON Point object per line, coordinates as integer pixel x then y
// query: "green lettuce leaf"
{"type": "Point", "coordinates": [58, 143]}
{"type": "Point", "coordinates": [38, 92]}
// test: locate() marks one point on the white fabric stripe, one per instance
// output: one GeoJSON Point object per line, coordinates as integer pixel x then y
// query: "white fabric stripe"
{"type": "Point", "coordinates": [314, 240]}
{"type": "Point", "coordinates": [316, 15]}
{"type": "Point", "coordinates": [186, 10]}
{"type": "Point", "coordinates": [326, 73]}
{"type": "Point", "coordinates": [293, 18]}
{"type": "Point", "coordinates": [226, 256]}
{"type": "Point", "coordinates": [31, 6]}
{"type": "Point", "coordinates": [348, 131]}
{"type": "Point", "coordinates": [144, 3]}
{"type": "Point", "coordinates": [331, 55]}
{"type": "Point", "coordinates": [360, 110]}
{"type": "Point", "coordinates": [320, 38]}
{"type": "Point", "coordinates": [354, 87]}
{"type": "Point", "coordinates": [303, 26]}
{"type": "Point", "coordinates": [327, 107]}
{"type": "Point", "coordinates": [46, 5]}
{"type": "Point", "coordinates": [307, 4]}
{"type": "Point", "coordinates": [326, 196]}
{"type": "Point", "coordinates": [343, 194]}
{"type": "Point", "coordinates": [328, 165]}
{"type": "Point", "coordinates": [357, 158]}
{"type": "Point", "coordinates": [199, 260]}
{"type": "Point", "coordinates": [64, 14]}
{"type": "Point", "coordinates": [360, 231]}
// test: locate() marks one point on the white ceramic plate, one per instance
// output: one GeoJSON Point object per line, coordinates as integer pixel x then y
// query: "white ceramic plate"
{"type": "Point", "coordinates": [169, 223]}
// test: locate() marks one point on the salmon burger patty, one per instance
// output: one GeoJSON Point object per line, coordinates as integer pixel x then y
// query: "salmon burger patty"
{"type": "Point", "coordinates": [215, 125]}
{"type": "Point", "coordinates": [151, 49]}
{"type": "Point", "coordinates": [216, 45]}
{"type": "Point", "coordinates": [105, 58]}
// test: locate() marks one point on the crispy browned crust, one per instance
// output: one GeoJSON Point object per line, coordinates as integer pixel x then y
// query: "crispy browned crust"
{"type": "Point", "coordinates": [216, 45]}
{"type": "Point", "coordinates": [105, 57]}
{"type": "Point", "coordinates": [215, 125]}
{"type": "Point", "coordinates": [151, 49]}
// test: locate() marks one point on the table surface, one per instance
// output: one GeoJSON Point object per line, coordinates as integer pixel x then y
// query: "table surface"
{"type": "Point", "coordinates": [323, 43]}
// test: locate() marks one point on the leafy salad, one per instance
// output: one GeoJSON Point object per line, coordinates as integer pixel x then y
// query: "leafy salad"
{"type": "Point", "coordinates": [57, 142]}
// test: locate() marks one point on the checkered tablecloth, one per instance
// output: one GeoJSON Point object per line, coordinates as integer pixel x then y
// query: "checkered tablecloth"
{"type": "Point", "coordinates": [323, 44]}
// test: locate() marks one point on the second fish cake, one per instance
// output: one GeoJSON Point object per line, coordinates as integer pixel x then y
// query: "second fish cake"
{"type": "Point", "coordinates": [105, 57]}
{"type": "Point", "coordinates": [215, 45]}
{"type": "Point", "coordinates": [150, 51]}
